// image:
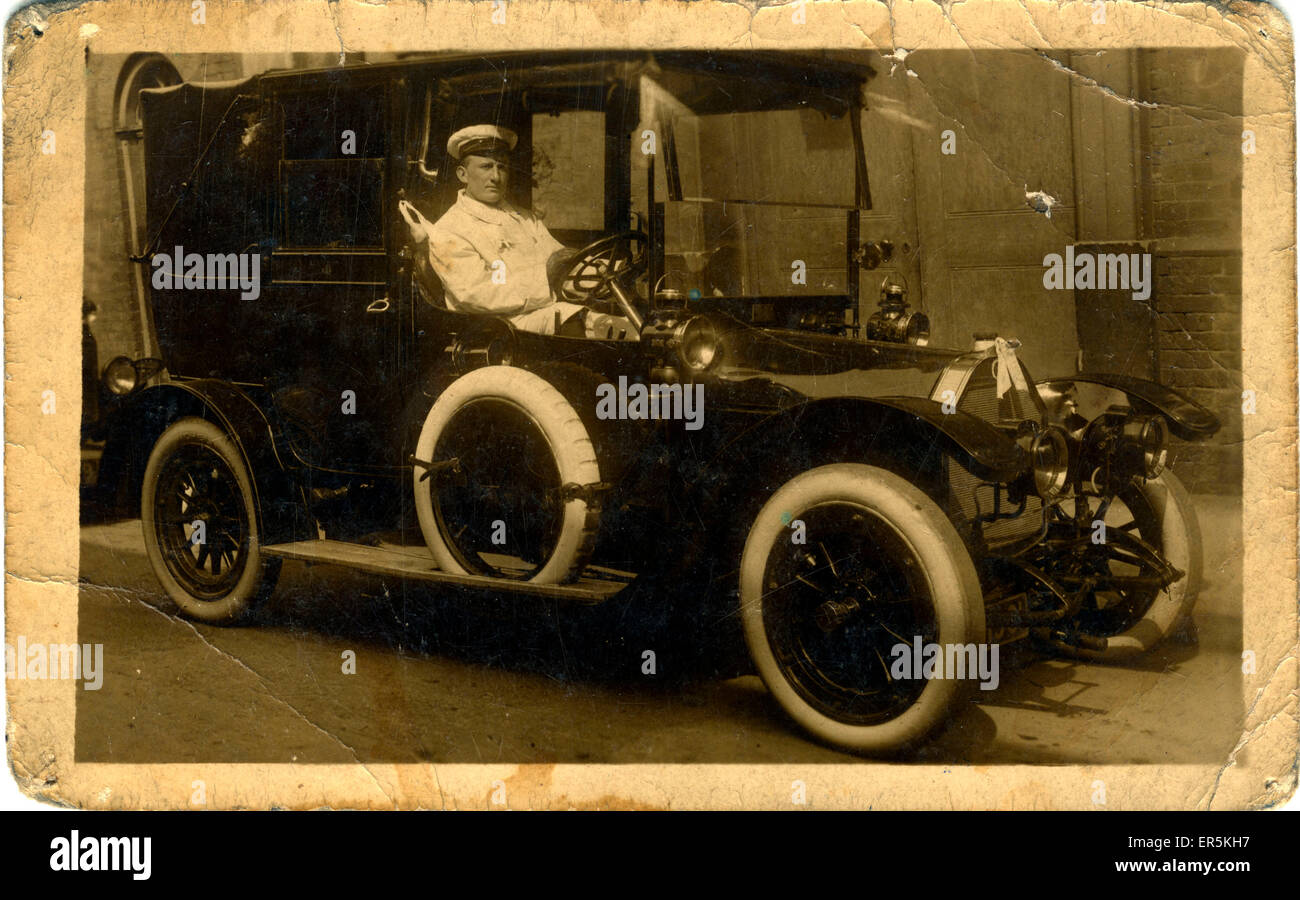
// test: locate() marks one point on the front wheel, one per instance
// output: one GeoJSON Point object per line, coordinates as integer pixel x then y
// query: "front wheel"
{"type": "Point", "coordinates": [1131, 616]}
{"type": "Point", "coordinates": [200, 524]}
{"type": "Point", "coordinates": [849, 573]}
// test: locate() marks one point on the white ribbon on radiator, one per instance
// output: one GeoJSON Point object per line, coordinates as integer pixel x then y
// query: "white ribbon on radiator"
{"type": "Point", "coordinates": [1008, 369]}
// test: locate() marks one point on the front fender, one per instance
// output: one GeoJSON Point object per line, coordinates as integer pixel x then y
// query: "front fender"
{"type": "Point", "coordinates": [1187, 419]}
{"type": "Point", "coordinates": [890, 426]}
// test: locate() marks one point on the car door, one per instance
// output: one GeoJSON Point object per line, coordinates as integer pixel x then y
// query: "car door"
{"type": "Point", "coordinates": [337, 329]}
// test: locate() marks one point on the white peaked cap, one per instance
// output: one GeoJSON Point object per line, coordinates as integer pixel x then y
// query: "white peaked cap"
{"type": "Point", "coordinates": [480, 138]}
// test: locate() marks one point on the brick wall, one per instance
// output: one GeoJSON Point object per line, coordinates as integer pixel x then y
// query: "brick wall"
{"type": "Point", "coordinates": [106, 277]}
{"type": "Point", "coordinates": [1192, 177]}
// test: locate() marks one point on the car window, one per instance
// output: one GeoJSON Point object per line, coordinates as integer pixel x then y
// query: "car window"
{"type": "Point", "coordinates": [331, 175]}
{"type": "Point", "coordinates": [315, 123]}
{"type": "Point", "coordinates": [332, 203]}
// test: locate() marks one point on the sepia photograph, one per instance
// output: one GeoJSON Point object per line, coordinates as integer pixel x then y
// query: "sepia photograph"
{"type": "Point", "coordinates": [523, 404]}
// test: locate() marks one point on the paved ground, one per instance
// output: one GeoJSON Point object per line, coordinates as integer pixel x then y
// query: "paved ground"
{"type": "Point", "coordinates": [458, 678]}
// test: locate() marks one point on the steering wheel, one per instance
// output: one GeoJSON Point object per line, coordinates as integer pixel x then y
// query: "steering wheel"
{"type": "Point", "coordinates": [595, 269]}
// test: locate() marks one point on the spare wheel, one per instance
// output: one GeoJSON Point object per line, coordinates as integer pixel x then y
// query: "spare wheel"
{"type": "Point", "coordinates": [506, 479]}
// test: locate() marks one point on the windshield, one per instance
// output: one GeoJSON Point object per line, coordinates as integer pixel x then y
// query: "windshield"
{"type": "Point", "coordinates": [757, 197]}
{"type": "Point", "coordinates": [796, 156]}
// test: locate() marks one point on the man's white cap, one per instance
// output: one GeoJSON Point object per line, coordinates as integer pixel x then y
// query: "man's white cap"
{"type": "Point", "coordinates": [480, 139]}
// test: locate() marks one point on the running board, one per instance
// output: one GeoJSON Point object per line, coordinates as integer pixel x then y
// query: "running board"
{"type": "Point", "coordinates": [416, 563]}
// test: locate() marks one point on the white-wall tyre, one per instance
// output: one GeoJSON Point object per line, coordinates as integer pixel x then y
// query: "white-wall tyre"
{"type": "Point", "coordinates": [938, 588]}
{"type": "Point", "coordinates": [1174, 529]}
{"type": "Point", "coordinates": [482, 419]}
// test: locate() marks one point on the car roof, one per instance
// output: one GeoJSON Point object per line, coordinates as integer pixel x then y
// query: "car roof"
{"type": "Point", "coordinates": [780, 65]}
{"type": "Point", "coordinates": [828, 80]}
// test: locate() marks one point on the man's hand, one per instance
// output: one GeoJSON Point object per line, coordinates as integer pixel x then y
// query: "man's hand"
{"type": "Point", "coordinates": [558, 264]}
{"type": "Point", "coordinates": [414, 222]}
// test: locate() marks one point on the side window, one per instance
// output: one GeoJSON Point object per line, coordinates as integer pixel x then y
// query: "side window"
{"type": "Point", "coordinates": [569, 170]}
{"type": "Point", "coordinates": [332, 171]}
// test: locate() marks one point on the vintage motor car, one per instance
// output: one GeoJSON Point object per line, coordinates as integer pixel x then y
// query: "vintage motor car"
{"type": "Point", "coordinates": [836, 486]}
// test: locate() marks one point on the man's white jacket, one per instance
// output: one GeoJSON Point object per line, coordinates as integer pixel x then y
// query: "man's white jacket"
{"type": "Point", "coordinates": [492, 259]}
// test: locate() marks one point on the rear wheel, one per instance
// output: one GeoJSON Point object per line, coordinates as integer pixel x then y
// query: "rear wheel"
{"type": "Point", "coordinates": [879, 568]}
{"type": "Point", "coordinates": [200, 524]}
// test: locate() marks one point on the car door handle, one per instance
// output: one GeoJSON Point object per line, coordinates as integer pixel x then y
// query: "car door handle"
{"type": "Point", "coordinates": [378, 306]}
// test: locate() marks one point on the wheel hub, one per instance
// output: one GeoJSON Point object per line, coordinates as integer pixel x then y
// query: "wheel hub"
{"type": "Point", "coordinates": [834, 613]}
{"type": "Point", "coordinates": [835, 609]}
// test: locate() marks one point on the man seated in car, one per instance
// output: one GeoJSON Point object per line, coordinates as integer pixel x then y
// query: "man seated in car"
{"type": "Point", "coordinates": [494, 258]}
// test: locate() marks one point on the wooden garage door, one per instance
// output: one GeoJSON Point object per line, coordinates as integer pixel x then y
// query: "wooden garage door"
{"type": "Point", "coordinates": [981, 245]}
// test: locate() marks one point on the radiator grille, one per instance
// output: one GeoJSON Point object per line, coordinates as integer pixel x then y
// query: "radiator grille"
{"type": "Point", "coordinates": [980, 399]}
{"type": "Point", "coordinates": [974, 497]}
